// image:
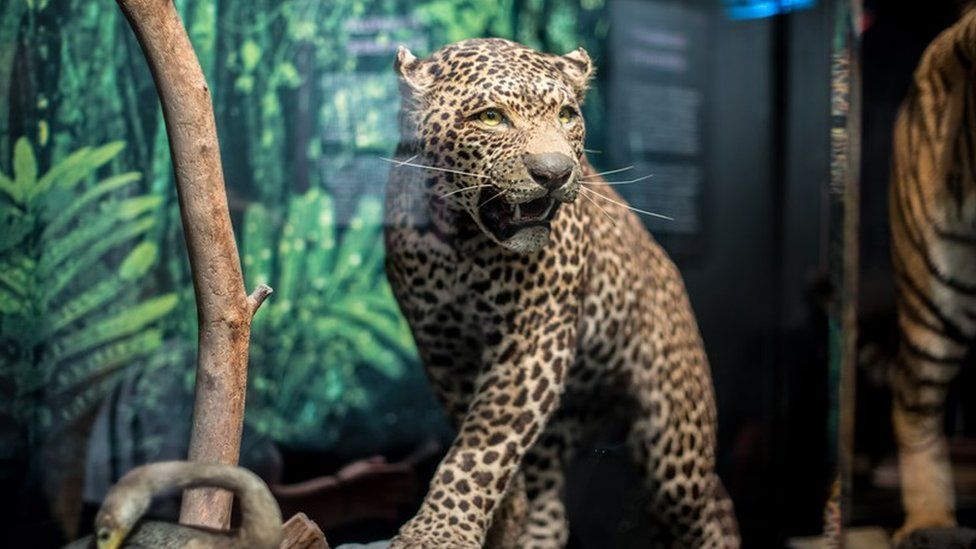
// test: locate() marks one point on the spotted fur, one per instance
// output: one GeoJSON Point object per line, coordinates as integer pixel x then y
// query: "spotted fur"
{"type": "Point", "coordinates": [537, 331]}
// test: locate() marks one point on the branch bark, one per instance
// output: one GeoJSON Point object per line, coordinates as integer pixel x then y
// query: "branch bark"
{"type": "Point", "coordinates": [300, 532]}
{"type": "Point", "coordinates": [224, 310]}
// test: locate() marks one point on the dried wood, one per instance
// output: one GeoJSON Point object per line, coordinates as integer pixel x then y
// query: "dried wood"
{"type": "Point", "coordinates": [224, 310]}
{"type": "Point", "coordinates": [300, 532]}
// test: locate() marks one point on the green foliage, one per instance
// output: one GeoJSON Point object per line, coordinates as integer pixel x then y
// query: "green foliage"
{"type": "Point", "coordinates": [459, 20]}
{"type": "Point", "coordinates": [305, 98]}
{"type": "Point", "coordinates": [71, 317]}
{"type": "Point", "coordinates": [332, 316]}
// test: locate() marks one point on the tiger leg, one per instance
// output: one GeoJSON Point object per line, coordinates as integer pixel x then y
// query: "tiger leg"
{"type": "Point", "coordinates": [928, 361]}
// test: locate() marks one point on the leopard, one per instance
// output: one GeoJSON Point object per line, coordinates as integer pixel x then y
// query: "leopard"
{"type": "Point", "coordinates": [541, 307]}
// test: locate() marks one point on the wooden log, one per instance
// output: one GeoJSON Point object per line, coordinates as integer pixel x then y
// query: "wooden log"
{"type": "Point", "coordinates": [224, 310]}
{"type": "Point", "coordinates": [300, 532]}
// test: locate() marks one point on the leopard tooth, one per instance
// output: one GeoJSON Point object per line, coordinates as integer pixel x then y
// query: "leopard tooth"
{"type": "Point", "coordinates": [518, 212]}
{"type": "Point", "coordinates": [552, 203]}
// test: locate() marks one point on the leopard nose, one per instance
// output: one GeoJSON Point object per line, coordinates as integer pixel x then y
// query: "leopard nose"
{"type": "Point", "coordinates": [551, 170]}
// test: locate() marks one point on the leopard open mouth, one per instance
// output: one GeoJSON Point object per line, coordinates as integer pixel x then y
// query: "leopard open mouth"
{"type": "Point", "coordinates": [504, 220]}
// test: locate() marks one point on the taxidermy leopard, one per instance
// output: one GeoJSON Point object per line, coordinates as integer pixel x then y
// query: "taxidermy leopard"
{"type": "Point", "coordinates": [540, 305]}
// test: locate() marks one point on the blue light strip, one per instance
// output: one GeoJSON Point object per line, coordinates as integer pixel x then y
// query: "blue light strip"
{"type": "Point", "coordinates": [756, 9]}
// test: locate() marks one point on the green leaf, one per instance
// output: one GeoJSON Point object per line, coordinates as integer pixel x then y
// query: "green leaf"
{"type": "Point", "coordinates": [8, 186]}
{"type": "Point", "coordinates": [14, 227]}
{"type": "Point", "coordinates": [89, 299]}
{"type": "Point", "coordinates": [368, 351]}
{"type": "Point", "coordinates": [25, 167]}
{"type": "Point", "coordinates": [390, 328]}
{"type": "Point", "coordinates": [72, 169]}
{"type": "Point", "coordinates": [138, 262]}
{"type": "Point", "coordinates": [322, 250]}
{"type": "Point", "coordinates": [14, 278]}
{"type": "Point", "coordinates": [298, 234]}
{"type": "Point", "coordinates": [250, 54]}
{"type": "Point", "coordinates": [106, 359]}
{"type": "Point", "coordinates": [257, 245]}
{"type": "Point", "coordinates": [96, 237]}
{"type": "Point", "coordinates": [67, 409]}
{"type": "Point", "coordinates": [360, 238]}
{"type": "Point", "coordinates": [57, 281]}
{"type": "Point", "coordinates": [287, 75]}
{"type": "Point", "coordinates": [82, 163]}
{"type": "Point", "coordinates": [134, 207]}
{"type": "Point", "coordinates": [124, 323]}
{"type": "Point", "coordinates": [62, 219]}
{"type": "Point", "coordinates": [11, 304]}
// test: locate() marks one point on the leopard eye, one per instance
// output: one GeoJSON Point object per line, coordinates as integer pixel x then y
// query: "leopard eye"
{"type": "Point", "coordinates": [490, 117]}
{"type": "Point", "coordinates": [566, 115]}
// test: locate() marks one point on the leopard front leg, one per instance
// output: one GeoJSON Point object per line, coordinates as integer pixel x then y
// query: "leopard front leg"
{"type": "Point", "coordinates": [515, 395]}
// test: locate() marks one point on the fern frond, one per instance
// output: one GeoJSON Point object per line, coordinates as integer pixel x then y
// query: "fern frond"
{"type": "Point", "coordinates": [11, 304]}
{"type": "Point", "coordinates": [14, 227]}
{"type": "Point", "coordinates": [25, 169]}
{"type": "Point", "coordinates": [138, 262]}
{"type": "Point", "coordinates": [74, 167]}
{"type": "Point", "coordinates": [370, 272]}
{"type": "Point", "coordinates": [322, 251]}
{"type": "Point", "coordinates": [67, 409]}
{"type": "Point", "coordinates": [56, 250]}
{"type": "Point", "coordinates": [10, 188]}
{"type": "Point", "coordinates": [393, 333]}
{"type": "Point", "coordinates": [106, 360]}
{"type": "Point", "coordinates": [373, 355]}
{"type": "Point", "coordinates": [58, 279]}
{"type": "Point", "coordinates": [362, 231]}
{"type": "Point", "coordinates": [63, 218]}
{"type": "Point", "coordinates": [134, 207]}
{"type": "Point", "coordinates": [300, 242]}
{"type": "Point", "coordinates": [14, 279]}
{"type": "Point", "coordinates": [89, 300]}
{"type": "Point", "coordinates": [124, 323]}
{"type": "Point", "coordinates": [67, 173]}
{"type": "Point", "coordinates": [257, 245]}
{"type": "Point", "coordinates": [366, 349]}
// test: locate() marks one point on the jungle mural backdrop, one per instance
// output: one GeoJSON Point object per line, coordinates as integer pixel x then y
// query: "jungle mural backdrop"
{"type": "Point", "coordinates": [96, 304]}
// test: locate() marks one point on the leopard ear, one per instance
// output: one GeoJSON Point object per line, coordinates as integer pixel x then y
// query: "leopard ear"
{"type": "Point", "coordinates": [578, 68]}
{"type": "Point", "coordinates": [410, 69]}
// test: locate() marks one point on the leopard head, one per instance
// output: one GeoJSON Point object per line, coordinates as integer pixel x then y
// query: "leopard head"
{"type": "Point", "coordinates": [500, 126]}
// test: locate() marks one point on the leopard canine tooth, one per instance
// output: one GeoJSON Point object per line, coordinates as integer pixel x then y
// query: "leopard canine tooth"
{"type": "Point", "coordinates": [518, 212]}
{"type": "Point", "coordinates": [552, 203]}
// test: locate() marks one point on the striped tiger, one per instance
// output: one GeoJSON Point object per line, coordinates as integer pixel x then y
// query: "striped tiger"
{"type": "Point", "coordinates": [932, 209]}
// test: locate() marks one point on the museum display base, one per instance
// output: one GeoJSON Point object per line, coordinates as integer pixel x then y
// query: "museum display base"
{"type": "Point", "coordinates": [864, 537]}
{"type": "Point", "coordinates": [940, 538]}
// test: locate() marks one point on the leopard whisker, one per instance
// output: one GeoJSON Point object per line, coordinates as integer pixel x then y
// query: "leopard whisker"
{"type": "Point", "coordinates": [591, 151]}
{"type": "Point", "coordinates": [608, 172]}
{"type": "Point", "coordinates": [496, 195]}
{"type": "Point", "coordinates": [399, 163]}
{"type": "Point", "coordinates": [602, 209]}
{"type": "Point", "coordinates": [435, 168]}
{"type": "Point", "coordinates": [625, 205]}
{"type": "Point", "coordinates": [456, 191]}
{"type": "Point", "coordinates": [611, 183]}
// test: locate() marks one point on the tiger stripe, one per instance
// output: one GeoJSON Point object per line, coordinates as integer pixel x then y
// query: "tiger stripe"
{"type": "Point", "coordinates": [932, 212]}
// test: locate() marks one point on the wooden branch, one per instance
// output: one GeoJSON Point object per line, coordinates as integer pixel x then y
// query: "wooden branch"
{"type": "Point", "coordinates": [300, 532]}
{"type": "Point", "coordinates": [224, 310]}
